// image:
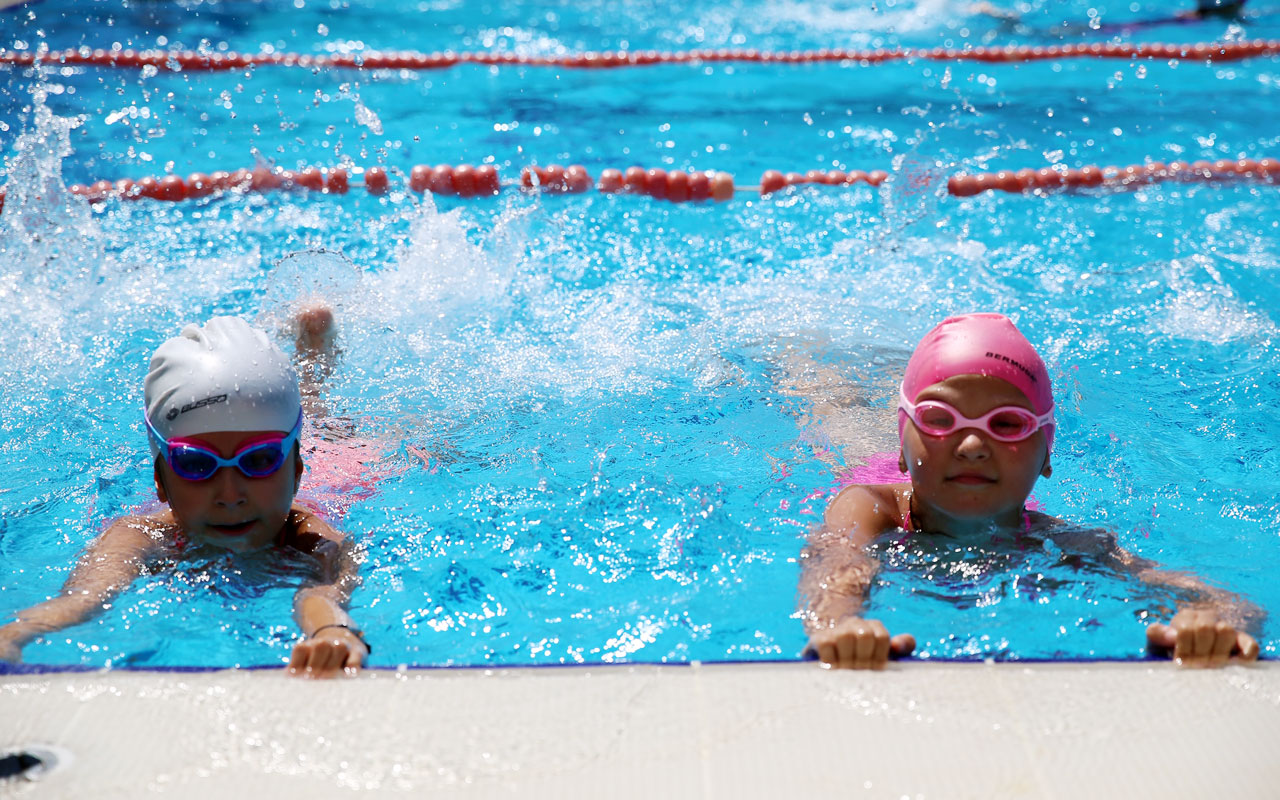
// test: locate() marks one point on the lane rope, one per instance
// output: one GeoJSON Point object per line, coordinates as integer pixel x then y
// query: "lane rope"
{"type": "Point", "coordinates": [194, 61]}
{"type": "Point", "coordinates": [676, 186]}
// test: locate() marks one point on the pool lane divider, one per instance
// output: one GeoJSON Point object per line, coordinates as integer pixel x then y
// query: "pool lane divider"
{"type": "Point", "coordinates": [1047, 179]}
{"type": "Point", "coordinates": [676, 186]}
{"type": "Point", "coordinates": [196, 61]}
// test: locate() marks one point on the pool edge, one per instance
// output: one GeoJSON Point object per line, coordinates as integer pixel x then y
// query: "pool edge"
{"type": "Point", "coordinates": [709, 730]}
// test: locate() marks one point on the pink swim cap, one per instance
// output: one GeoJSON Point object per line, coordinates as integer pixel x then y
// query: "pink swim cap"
{"type": "Point", "coordinates": [978, 344]}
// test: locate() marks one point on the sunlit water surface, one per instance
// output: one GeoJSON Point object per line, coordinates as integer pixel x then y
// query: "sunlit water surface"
{"type": "Point", "coordinates": [633, 412]}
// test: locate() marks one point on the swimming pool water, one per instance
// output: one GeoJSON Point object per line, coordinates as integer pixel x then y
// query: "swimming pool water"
{"type": "Point", "coordinates": [634, 410]}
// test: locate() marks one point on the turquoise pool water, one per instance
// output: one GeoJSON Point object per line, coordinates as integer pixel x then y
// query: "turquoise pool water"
{"type": "Point", "coordinates": [635, 410]}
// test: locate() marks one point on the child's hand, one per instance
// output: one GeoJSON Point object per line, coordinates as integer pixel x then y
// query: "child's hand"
{"type": "Point", "coordinates": [856, 643]}
{"type": "Point", "coordinates": [334, 651]}
{"type": "Point", "coordinates": [1196, 637]}
{"type": "Point", "coordinates": [10, 650]}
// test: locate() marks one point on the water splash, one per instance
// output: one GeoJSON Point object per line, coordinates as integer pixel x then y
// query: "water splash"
{"type": "Point", "coordinates": [49, 243]}
{"type": "Point", "coordinates": [364, 115]}
{"type": "Point", "coordinates": [43, 223]}
{"type": "Point", "coordinates": [316, 274]}
{"type": "Point", "coordinates": [913, 192]}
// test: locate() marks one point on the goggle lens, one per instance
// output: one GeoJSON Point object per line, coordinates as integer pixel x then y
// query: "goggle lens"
{"type": "Point", "coordinates": [935, 420]}
{"type": "Point", "coordinates": [197, 464]}
{"type": "Point", "coordinates": [1010, 425]}
{"type": "Point", "coordinates": [192, 463]}
{"type": "Point", "coordinates": [262, 460]}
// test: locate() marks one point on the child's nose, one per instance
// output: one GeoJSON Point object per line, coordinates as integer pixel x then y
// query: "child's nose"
{"type": "Point", "coordinates": [972, 446]}
{"type": "Point", "coordinates": [228, 487]}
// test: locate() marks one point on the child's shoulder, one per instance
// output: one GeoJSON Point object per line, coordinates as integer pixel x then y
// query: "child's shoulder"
{"type": "Point", "coordinates": [874, 508]}
{"type": "Point", "coordinates": [307, 531]}
{"type": "Point", "coordinates": [146, 533]}
{"type": "Point", "coordinates": [1071, 538]}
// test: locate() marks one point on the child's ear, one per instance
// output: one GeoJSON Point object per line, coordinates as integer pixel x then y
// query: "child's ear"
{"type": "Point", "coordinates": [1047, 470]}
{"type": "Point", "coordinates": [161, 494]}
{"type": "Point", "coordinates": [298, 468]}
{"type": "Point", "coordinates": [902, 462]}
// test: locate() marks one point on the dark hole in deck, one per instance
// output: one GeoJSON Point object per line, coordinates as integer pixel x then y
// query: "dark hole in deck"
{"type": "Point", "coordinates": [16, 764]}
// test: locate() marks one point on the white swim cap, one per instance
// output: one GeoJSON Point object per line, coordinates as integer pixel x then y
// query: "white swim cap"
{"type": "Point", "coordinates": [225, 376]}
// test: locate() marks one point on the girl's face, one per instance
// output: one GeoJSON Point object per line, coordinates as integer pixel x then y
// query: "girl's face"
{"type": "Point", "coordinates": [230, 509]}
{"type": "Point", "coordinates": [968, 475]}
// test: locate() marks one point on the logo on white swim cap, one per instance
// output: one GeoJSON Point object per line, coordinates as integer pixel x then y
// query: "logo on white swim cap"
{"type": "Point", "coordinates": [224, 376]}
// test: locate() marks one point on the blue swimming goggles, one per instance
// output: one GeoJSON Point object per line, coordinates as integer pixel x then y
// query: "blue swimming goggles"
{"type": "Point", "coordinates": [192, 460]}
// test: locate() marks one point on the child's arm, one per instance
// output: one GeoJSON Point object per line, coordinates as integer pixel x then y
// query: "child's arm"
{"type": "Point", "coordinates": [836, 573]}
{"type": "Point", "coordinates": [1206, 632]}
{"type": "Point", "coordinates": [108, 565]}
{"type": "Point", "coordinates": [333, 644]}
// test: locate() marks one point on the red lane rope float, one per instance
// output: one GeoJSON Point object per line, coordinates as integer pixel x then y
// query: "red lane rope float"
{"type": "Point", "coordinates": [192, 61]}
{"type": "Point", "coordinates": [675, 185]}
{"type": "Point", "coordinates": [1048, 179]}
{"type": "Point", "coordinates": [556, 179]}
{"type": "Point", "coordinates": [773, 181]}
{"type": "Point", "coordinates": [461, 181]}
{"type": "Point", "coordinates": [199, 184]}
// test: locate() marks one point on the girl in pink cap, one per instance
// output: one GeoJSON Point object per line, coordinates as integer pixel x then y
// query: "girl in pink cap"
{"type": "Point", "coordinates": [976, 425]}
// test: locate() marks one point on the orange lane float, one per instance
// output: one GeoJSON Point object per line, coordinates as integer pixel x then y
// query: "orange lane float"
{"type": "Point", "coordinates": [460, 181]}
{"type": "Point", "coordinates": [375, 180]}
{"type": "Point", "coordinates": [676, 186]}
{"type": "Point", "coordinates": [173, 188]}
{"type": "Point", "coordinates": [556, 179]}
{"type": "Point", "coordinates": [195, 61]}
{"type": "Point", "coordinates": [336, 181]}
{"type": "Point", "coordinates": [773, 181]}
{"type": "Point", "coordinates": [1049, 178]}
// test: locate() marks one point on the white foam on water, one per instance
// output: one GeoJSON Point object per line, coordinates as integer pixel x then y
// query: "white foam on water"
{"type": "Point", "coordinates": [834, 17]}
{"type": "Point", "coordinates": [49, 245]}
{"type": "Point", "coordinates": [1203, 307]}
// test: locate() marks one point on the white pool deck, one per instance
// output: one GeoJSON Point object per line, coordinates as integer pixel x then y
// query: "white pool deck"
{"type": "Point", "coordinates": [916, 730]}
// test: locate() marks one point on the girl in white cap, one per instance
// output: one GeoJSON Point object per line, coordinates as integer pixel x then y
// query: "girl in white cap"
{"type": "Point", "coordinates": [223, 413]}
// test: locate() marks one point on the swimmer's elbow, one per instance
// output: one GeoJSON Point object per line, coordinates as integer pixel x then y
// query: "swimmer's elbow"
{"type": "Point", "coordinates": [320, 589]}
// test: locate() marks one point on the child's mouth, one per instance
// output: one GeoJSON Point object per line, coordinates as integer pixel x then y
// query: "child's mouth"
{"type": "Point", "coordinates": [234, 529]}
{"type": "Point", "coordinates": [968, 479]}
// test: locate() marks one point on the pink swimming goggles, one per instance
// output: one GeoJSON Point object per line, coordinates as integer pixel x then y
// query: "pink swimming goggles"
{"type": "Point", "coordinates": [1005, 424]}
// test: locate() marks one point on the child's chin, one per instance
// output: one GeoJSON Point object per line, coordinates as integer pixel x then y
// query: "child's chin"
{"type": "Point", "coordinates": [231, 547]}
{"type": "Point", "coordinates": [979, 512]}
{"type": "Point", "coordinates": [235, 540]}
